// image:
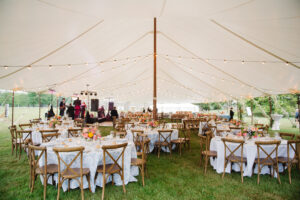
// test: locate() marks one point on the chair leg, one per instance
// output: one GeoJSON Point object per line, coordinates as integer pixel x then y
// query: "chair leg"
{"type": "Point", "coordinates": [242, 172]}
{"type": "Point", "coordinates": [20, 151]}
{"type": "Point", "coordinates": [58, 188]}
{"type": "Point", "coordinates": [205, 167]}
{"type": "Point", "coordinates": [88, 179]}
{"type": "Point", "coordinates": [200, 161]}
{"type": "Point", "coordinates": [278, 176]}
{"type": "Point", "coordinates": [170, 148]}
{"type": "Point", "coordinates": [142, 172]}
{"type": "Point", "coordinates": [33, 182]}
{"type": "Point", "coordinates": [122, 177]}
{"type": "Point", "coordinates": [103, 188]}
{"type": "Point", "coordinates": [81, 187]}
{"type": "Point", "coordinates": [12, 149]}
{"type": "Point", "coordinates": [159, 150]}
{"type": "Point", "coordinates": [45, 186]}
{"type": "Point", "coordinates": [258, 173]}
{"type": "Point", "coordinates": [289, 171]}
{"type": "Point", "coordinates": [180, 149]}
{"type": "Point", "coordinates": [69, 185]}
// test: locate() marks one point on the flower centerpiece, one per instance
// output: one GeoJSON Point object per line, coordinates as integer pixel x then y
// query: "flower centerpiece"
{"type": "Point", "coordinates": [142, 119]}
{"type": "Point", "coordinates": [54, 121]}
{"type": "Point", "coordinates": [251, 131]}
{"type": "Point", "coordinates": [91, 133]}
{"type": "Point", "coordinates": [153, 124]}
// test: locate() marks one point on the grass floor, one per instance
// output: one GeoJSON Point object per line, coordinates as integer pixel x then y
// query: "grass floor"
{"type": "Point", "coordinates": [176, 177]}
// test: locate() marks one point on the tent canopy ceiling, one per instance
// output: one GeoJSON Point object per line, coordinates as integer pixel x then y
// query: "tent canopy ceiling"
{"type": "Point", "coordinates": [208, 50]}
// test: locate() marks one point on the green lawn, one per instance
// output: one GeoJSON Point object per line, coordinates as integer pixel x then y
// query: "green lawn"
{"type": "Point", "coordinates": [176, 177]}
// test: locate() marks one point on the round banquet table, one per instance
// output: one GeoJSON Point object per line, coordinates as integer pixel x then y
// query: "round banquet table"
{"type": "Point", "coordinates": [153, 136]}
{"type": "Point", "coordinates": [92, 157]}
{"type": "Point", "coordinates": [249, 151]}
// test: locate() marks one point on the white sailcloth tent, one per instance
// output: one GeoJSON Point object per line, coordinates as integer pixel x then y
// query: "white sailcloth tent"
{"type": "Point", "coordinates": [207, 50]}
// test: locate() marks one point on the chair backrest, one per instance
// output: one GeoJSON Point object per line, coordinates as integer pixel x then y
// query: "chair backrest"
{"type": "Point", "coordinates": [120, 127]}
{"type": "Point", "coordinates": [232, 153]}
{"type": "Point", "coordinates": [68, 165]}
{"type": "Point", "coordinates": [288, 136]}
{"type": "Point", "coordinates": [205, 140]}
{"type": "Point", "coordinates": [33, 151]}
{"type": "Point", "coordinates": [23, 126]}
{"type": "Point", "coordinates": [292, 144]}
{"type": "Point", "coordinates": [144, 142]}
{"type": "Point", "coordinates": [260, 149]}
{"type": "Point", "coordinates": [106, 149]}
{"type": "Point", "coordinates": [47, 135]}
{"type": "Point", "coordinates": [74, 132]}
{"type": "Point", "coordinates": [13, 133]}
{"type": "Point", "coordinates": [135, 134]}
{"type": "Point", "coordinates": [20, 134]}
{"type": "Point", "coordinates": [165, 136]}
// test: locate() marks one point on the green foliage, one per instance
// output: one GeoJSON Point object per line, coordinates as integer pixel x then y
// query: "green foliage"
{"type": "Point", "coordinates": [27, 99]}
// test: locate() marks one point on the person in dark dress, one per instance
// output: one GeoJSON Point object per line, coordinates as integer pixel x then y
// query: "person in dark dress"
{"type": "Point", "coordinates": [77, 104]}
{"type": "Point", "coordinates": [62, 107]}
{"type": "Point", "coordinates": [71, 111]}
{"type": "Point", "coordinates": [231, 113]}
{"type": "Point", "coordinates": [82, 108]}
{"type": "Point", "coordinates": [88, 118]}
{"type": "Point", "coordinates": [114, 112]}
{"type": "Point", "coordinates": [50, 113]}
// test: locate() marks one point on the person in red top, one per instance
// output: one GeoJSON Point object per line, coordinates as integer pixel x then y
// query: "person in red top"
{"type": "Point", "coordinates": [77, 104]}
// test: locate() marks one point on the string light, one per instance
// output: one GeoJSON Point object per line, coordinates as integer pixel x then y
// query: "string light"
{"type": "Point", "coordinates": [287, 63]}
{"type": "Point", "coordinates": [225, 61]}
{"type": "Point", "coordinates": [69, 66]}
{"type": "Point", "coordinates": [243, 62]}
{"type": "Point", "coordinates": [5, 67]}
{"type": "Point", "coordinates": [263, 62]}
{"type": "Point", "coordinates": [29, 67]}
{"type": "Point", "coordinates": [50, 66]}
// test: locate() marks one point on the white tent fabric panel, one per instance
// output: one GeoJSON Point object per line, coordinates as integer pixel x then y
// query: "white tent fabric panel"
{"type": "Point", "coordinates": [109, 45]}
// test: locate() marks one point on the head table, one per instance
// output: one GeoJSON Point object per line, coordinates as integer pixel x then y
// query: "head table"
{"type": "Point", "coordinates": [249, 151]}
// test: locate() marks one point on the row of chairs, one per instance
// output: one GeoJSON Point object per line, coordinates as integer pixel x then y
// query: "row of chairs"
{"type": "Point", "coordinates": [231, 156]}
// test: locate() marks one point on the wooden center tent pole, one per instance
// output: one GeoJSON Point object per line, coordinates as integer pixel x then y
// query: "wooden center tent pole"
{"type": "Point", "coordinates": [154, 74]}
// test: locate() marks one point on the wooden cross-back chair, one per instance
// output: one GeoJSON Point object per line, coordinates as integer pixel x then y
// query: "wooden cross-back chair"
{"type": "Point", "coordinates": [24, 126]}
{"type": "Point", "coordinates": [46, 171]}
{"type": "Point", "coordinates": [184, 137]}
{"type": "Point", "coordinates": [115, 167]}
{"type": "Point", "coordinates": [142, 138]}
{"type": "Point", "coordinates": [121, 134]}
{"type": "Point", "coordinates": [69, 172]}
{"type": "Point", "coordinates": [120, 127]}
{"type": "Point", "coordinates": [291, 144]}
{"type": "Point", "coordinates": [74, 132]}
{"type": "Point", "coordinates": [47, 135]}
{"type": "Point", "coordinates": [22, 139]}
{"type": "Point", "coordinates": [141, 162]}
{"type": "Point", "coordinates": [212, 128]}
{"type": "Point", "coordinates": [288, 136]}
{"type": "Point", "coordinates": [15, 141]}
{"type": "Point", "coordinates": [233, 157]}
{"type": "Point", "coordinates": [268, 160]}
{"type": "Point", "coordinates": [135, 137]}
{"type": "Point", "coordinates": [205, 149]}
{"type": "Point", "coordinates": [164, 140]}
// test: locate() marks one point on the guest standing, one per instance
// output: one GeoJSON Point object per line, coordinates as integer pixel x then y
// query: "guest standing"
{"type": "Point", "coordinates": [101, 112]}
{"type": "Point", "coordinates": [83, 107]}
{"type": "Point", "coordinates": [70, 111]}
{"type": "Point", "coordinates": [77, 104]}
{"type": "Point", "coordinates": [114, 112]}
{"type": "Point", "coordinates": [50, 113]}
{"type": "Point", "coordinates": [231, 113]}
{"type": "Point", "coordinates": [62, 107]}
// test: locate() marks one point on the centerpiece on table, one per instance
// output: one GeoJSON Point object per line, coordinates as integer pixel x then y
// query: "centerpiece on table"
{"type": "Point", "coordinates": [249, 131]}
{"type": "Point", "coordinates": [54, 121]}
{"type": "Point", "coordinates": [142, 120]}
{"type": "Point", "coordinates": [153, 124]}
{"type": "Point", "coordinates": [91, 133]}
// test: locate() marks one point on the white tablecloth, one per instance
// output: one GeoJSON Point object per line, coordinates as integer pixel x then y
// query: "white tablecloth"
{"type": "Point", "coordinates": [153, 136]}
{"type": "Point", "coordinates": [249, 151]}
{"type": "Point", "coordinates": [92, 157]}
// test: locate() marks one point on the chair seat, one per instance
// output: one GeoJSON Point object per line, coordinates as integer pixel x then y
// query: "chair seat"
{"type": "Point", "coordinates": [210, 153]}
{"type": "Point", "coordinates": [178, 141]}
{"type": "Point", "coordinates": [264, 161]}
{"type": "Point", "coordinates": [137, 161]}
{"type": "Point", "coordinates": [108, 169]}
{"type": "Point", "coordinates": [139, 153]}
{"type": "Point", "coordinates": [233, 158]}
{"type": "Point", "coordinates": [51, 169]}
{"type": "Point", "coordinates": [161, 144]}
{"type": "Point", "coordinates": [285, 160]}
{"type": "Point", "coordinates": [71, 174]}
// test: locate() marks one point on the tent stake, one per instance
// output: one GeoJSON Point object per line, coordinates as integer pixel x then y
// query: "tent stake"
{"type": "Point", "coordinates": [154, 74]}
